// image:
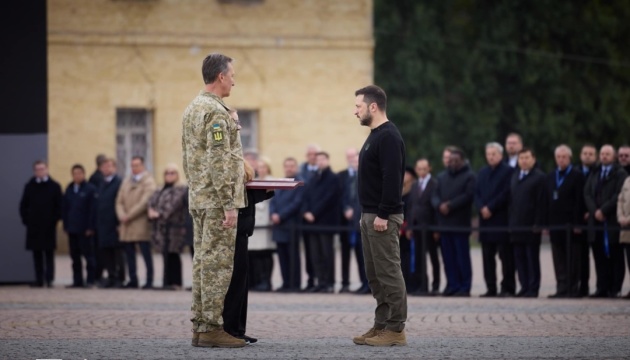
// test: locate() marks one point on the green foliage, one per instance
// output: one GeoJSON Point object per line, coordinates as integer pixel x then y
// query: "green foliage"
{"type": "Point", "coordinates": [463, 72]}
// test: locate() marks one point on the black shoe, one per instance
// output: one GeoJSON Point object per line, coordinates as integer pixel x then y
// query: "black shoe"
{"type": "Point", "coordinates": [489, 294]}
{"type": "Point", "coordinates": [248, 339]}
{"type": "Point", "coordinates": [505, 294]}
{"type": "Point", "coordinates": [328, 290]}
{"type": "Point", "coordinates": [435, 292]}
{"type": "Point", "coordinates": [557, 296]}
{"type": "Point", "coordinates": [462, 294]}
{"type": "Point", "coordinates": [598, 295]}
{"type": "Point", "coordinates": [74, 286]}
{"type": "Point", "coordinates": [344, 289]}
{"type": "Point", "coordinates": [147, 287]}
{"type": "Point", "coordinates": [49, 284]}
{"type": "Point", "coordinates": [448, 292]}
{"type": "Point", "coordinates": [520, 294]}
{"type": "Point", "coordinates": [131, 285]}
{"type": "Point", "coordinates": [309, 289]}
{"type": "Point", "coordinates": [363, 290]}
{"type": "Point", "coordinates": [627, 296]}
{"type": "Point", "coordinates": [531, 295]}
{"type": "Point", "coordinates": [262, 287]}
{"type": "Point", "coordinates": [37, 285]}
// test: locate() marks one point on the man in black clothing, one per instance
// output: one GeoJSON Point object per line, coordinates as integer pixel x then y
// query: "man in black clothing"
{"type": "Point", "coordinates": [588, 159]}
{"type": "Point", "coordinates": [600, 196]}
{"type": "Point", "coordinates": [492, 197]}
{"type": "Point", "coordinates": [407, 252]}
{"type": "Point", "coordinates": [528, 207]}
{"type": "Point", "coordinates": [565, 191]}
{"type": "Point", "coordinates": [40, 209]}
{"type": "Point", "coordinates": [308, 170]}
{"type": "Point", "coordinates": [381, 168]}
{"type": "Point", "coordinates": [96, 179]}
{"type": "Point", "coordinates": [78, 223]}
{"type": "Point", "coordinates": [452, 201]}
{"type": "Point", "coordinates": [236, 298]}
{"type": "Point", "coordinates": [420, 214]}
{"type": "Point", "coordinates": [320, 207]}
{"type": "Point", "coordinates": [623, 154]}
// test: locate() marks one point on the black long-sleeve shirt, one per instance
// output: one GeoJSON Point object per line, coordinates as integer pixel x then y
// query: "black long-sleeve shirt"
{"type": "Point", "coordinates": [381, 169]}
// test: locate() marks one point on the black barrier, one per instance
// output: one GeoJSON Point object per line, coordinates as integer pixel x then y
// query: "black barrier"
{"type": "Point", "coordinates": [297, 228]}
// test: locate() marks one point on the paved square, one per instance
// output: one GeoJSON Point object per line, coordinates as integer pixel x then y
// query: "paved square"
{"type": "Point", "coordinates": [134, 324]}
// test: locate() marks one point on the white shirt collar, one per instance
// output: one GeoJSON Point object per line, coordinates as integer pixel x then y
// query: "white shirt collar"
{"type": "Point", "coordinates": [513, 161]}
{"type": "Point", "coordinates": [109, 178]}
{"type": "Point", "coordinates": [41, 180]}
{"type": "Point", "coordinates": [138, 177]}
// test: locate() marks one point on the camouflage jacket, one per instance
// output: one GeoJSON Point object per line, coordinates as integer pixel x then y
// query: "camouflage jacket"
{"type": "Point", "coordinates": [213, 155]}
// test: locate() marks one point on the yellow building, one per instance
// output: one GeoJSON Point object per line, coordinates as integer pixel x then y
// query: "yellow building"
{"type": "Point", "coordinates": [121, 72]}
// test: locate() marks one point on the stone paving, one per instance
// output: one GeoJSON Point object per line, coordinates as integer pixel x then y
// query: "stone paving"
{"type": "Point", "coordinates": [63, 323]}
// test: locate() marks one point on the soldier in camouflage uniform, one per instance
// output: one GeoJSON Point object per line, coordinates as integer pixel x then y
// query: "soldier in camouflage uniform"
{"type": "Point", "coordinates": [213, 164]}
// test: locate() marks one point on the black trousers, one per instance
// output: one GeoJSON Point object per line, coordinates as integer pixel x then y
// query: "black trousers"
{"type": "Point", "coordinates": [290, 264]}
{"type": "Point", "coordinates": [172, 269]}
{"type": "Point", "coordinates": [130, 252]}
{"type": "Point", "coordinates": [585, 264]}
{"type": "Point", "coordinates": [114, 261]}
{"type": "Point", "coordinates": [82, 246]}
{"type": "Point", "coordinates": [322, 254]}
{"type": "Point", "coordinates": [609, 269]}
{"type": "Point", "coordinates": [308, 262]}
{"type": "Point", "coordinates": [44, 261]}
{"type": "Point", "coordinates": [424, 247]}
{"type": "Point", "coordinates": [99, 260]}
{"type": "Point", "coordinates": [505, 250]}
{"type": "Point", "coordinates": [527, 261]}
{"type": "Point", "coordinates": [405, 262]}
{"type": "Point", "coordinates": [235, 305]}
{"type": "Point", "coordinates": [567, 270]}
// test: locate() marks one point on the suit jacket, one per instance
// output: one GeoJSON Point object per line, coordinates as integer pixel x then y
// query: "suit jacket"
{"type": "Point", "coordinates": [420, 210]}
{"type": "Point", "coordinates": [623, 211]}
{"type": "Point", "coordinates": [132, 201]}
{"type": "Point", "coordinates": [40, 210]}
{"type": "Point", "coordinates": [287, 204]}
{"type": "Point", "coordinates": [606, 200]}
{"type": "Point", "coordinates": [321, 198]}
{"type": "Point", "coordinates": [566, 203]}
{"type": "Point", "coordinates": [305, 174]}
{"type": "Point", "coordinates": [528, 205]}
{"type": "Point", "coordinates": [105, 214]}
{"type": "Point", "coordinates": [349, 188]}
{"type": "Point", "coordinates": [493, 190]}
{"type": "Point", "coordinates": [77, 208]}
{"type": "Point", "coordinates": [458, 189]}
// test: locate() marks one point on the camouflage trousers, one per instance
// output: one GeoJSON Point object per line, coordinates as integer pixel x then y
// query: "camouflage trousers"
{"type": "Point", "coordinates": [212, 268]}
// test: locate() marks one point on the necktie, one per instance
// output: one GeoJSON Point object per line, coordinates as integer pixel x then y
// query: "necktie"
{"type": "Point", "coordinates": [522, 175]}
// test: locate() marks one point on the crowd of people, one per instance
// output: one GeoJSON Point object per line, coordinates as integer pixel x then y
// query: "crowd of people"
{"type": "Point", "coordinates": [514, 201]}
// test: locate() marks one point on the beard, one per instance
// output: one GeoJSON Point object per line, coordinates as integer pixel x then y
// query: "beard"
{"type": "Point", "coordinates": [366, 120]}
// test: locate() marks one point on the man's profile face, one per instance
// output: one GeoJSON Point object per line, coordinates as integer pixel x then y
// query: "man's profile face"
{"type": "Point", "coordinates": [588, 155]}
{"type": "Point", "coordinates": [526, 161]}
{"type": "Point", "coordinates": [607, 155]}
{"type": "Point", "coordinates": [422, 168]}
{"type": "Point", "coordinates": [362, 111]}
{"type": "Point", "coordinates": [290, 168]}
{"type": "Point", "coordinates": [493, 156]}
{"type": "Point", "coordinates": [446, 156]}
{"type": "Point", "coordinates": [227, 80]}
{"type": "Point", "coordinates": [40, 170]}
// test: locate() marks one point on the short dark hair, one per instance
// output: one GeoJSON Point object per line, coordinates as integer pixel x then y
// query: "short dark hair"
{"type": "Point", "coordinates": [213, 65]}
{"type": "Point", "coordinates": [450, 148]}
{"type": "Point", "coordinates": [590, 145]}
{"type": "Point", "coordinates": [290, 158]}
{"type": "Point", "coordinates": [373, 94]}
{"type": "Point", "coordinates": [39, 162]}
{"type": "Point", "coordinates": [411, 171]}
{"type": "Point", "coordinates": [457, 151]}
{"type": "Point", "coordinates": [78, 166]}
{"type": "Point", "coordinates": [527, 150]}
{"type": "Point", "coordinates": [423, 159]}
{"type": "Point", "coordinates": [323, 153]}
{"type": "Point", "coordinates": [138, 157]}
{"type": "Point", "coordinates": [100, 159]}
{"type": "Point", "coordinates": [520, 138]}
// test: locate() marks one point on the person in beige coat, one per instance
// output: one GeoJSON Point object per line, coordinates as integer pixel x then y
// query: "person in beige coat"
{"type": "Point", "coordinates": [623, 216]}
{"type": "Point", "coordinates": [131, 209]}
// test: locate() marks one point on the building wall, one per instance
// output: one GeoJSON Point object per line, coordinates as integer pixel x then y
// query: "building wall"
{"type": "Point", "coordinates": [298, 62]}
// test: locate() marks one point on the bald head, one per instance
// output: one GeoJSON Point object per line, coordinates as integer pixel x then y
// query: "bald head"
{"type": "Point", "coordinates": [607, 154]}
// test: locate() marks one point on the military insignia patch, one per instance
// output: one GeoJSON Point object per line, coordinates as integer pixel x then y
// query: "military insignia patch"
{"type": "Point", "coordinates": [217, 134]}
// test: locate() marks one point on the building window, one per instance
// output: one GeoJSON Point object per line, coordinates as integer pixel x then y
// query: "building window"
{"type": "Point", "coordinates": [133, 138]}
{"type": "Point", "coordinates": [249, 128]}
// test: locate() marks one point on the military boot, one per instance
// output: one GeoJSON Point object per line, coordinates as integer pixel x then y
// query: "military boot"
{"type": "Point", "coordinates": [360, 340]}
{"type": "Point", "coordinates": [219, 338]}
{"type": "Point", "coordinates": [195, 339]}
{"type": "Point", "coordinates": [387, 338]}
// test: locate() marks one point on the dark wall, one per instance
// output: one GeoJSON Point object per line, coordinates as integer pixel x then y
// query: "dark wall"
{"type": "Point", "coordinates": [23, 123]}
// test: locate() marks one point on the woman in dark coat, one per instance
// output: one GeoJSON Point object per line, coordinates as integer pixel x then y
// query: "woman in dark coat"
{"type": "Point", "coordinates": [40, 210]}
{"type": "Point", "coordinates": [167, 211]}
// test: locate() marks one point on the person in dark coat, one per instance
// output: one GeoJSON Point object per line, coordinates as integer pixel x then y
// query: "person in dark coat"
{"type": "Point", "coordinates": [96, 179]}
{"type": "Point", "coordinates": [308, 170]}
{"type": "Point", "coordinates": [320, 208]}
{"type": "Point", "coordinates": [453, 200]}
{"type": "Point", "coordinates": [421, 213]}
{"type": "Point", "coordinates": [528, 208]}
{"type": "Point", "coordinates": [351, 208]}
{"type": "Point", "coordinates": [565, 191]}
{"type": "Point", "coordinates": [600, 196]}
{"type": "Point", "coordinates": [40, 210]}
{"type": "Point", "coordinates": [406, 248]}
{"type": "Point", "coordinates": [236, 298]}
{"type": "Point", "coordinates": [588, 163]}
{"type": "Point", "coordinates": [284, 210]}
{"type": "Point", "coordinates": [106, 225]}
{"type": "Point", "coordinates": [78, 223]}
{"type": "Point", "coordinates": [491, 200]}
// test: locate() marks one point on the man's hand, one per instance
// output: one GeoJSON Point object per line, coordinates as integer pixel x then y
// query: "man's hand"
{"type": "Point", "coordinates": [349, 214]}
{"type": "Point", "coordinates": [444, 208]}
{"type": "Point", "coordinates": [230, 218]}
{"type": "Point", "coordinates": [436, 236]}
{"type": "Point", "coordinates": [599, 215]}
{"type": "Point", "coordinates": [309, 217]}
{"type": "Point", "coordinates": [153, 214]}
{"type": "Point", "coordinates": [124, 219]}
{"type": "Point", "coordinates": [275, 219]}
{"type": "Point", "coordinates": [89, 233]}
{"type": "Point", "coordinates": [486, 213]}
{"type": "Point", "coordinates": [409, 234]}
{"type": "Point", "coordinates": [586, 216]}
{"type": "Point", "coordinates": [380, 224]}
